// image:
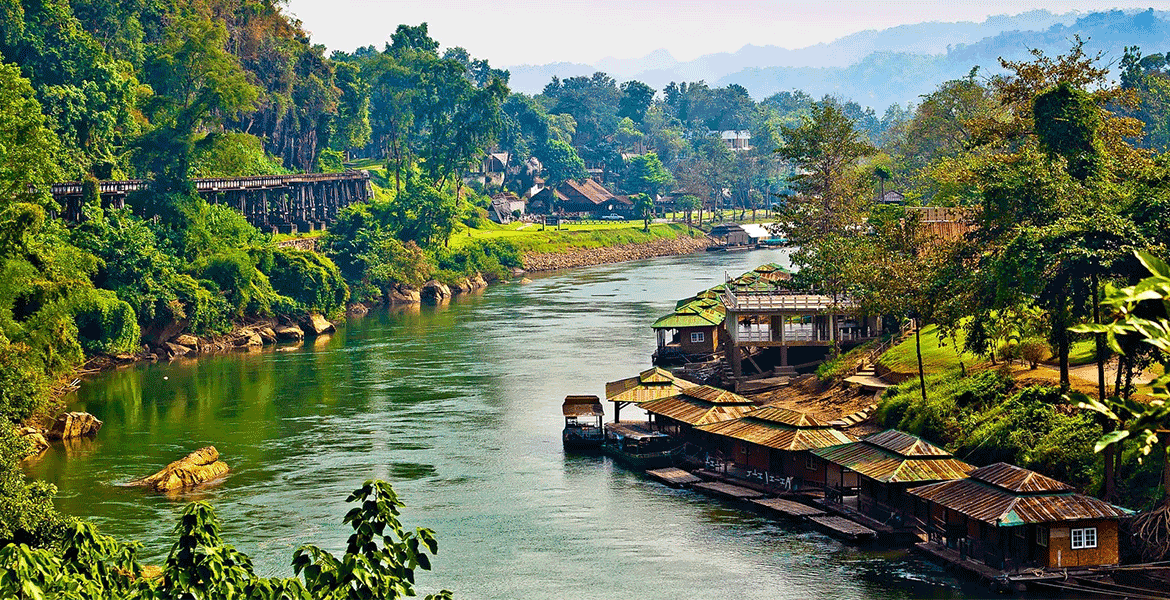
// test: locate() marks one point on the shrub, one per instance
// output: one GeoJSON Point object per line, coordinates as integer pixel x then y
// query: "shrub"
{"type": "Point", "coordinates": [1034, 350]}
{"type": "Point", "coordinates": [105, 324]}
{"type": "Point", "coordinates": [309, 278]}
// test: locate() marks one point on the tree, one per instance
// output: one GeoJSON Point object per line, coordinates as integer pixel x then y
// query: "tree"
{"type": "Point", "coordinates": [644, 208]}
{"type": "Point", "coordinates": [28, 149]}
{"type": "Point", "coordinates": [561, 163]}
{"type": "Point", "coordinates": [824, 149]}
{"type": "Point", "coordinates": [646, 175]}
{"type": "Point", "coordinates": [688, 203]}
{"type": "Point", "coordinates": [635, 101]}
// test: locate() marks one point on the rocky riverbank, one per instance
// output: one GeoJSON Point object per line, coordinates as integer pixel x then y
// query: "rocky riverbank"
{"type": "Point", "coordinates": [551, 261]}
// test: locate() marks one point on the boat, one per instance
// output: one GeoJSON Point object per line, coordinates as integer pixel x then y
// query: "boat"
{"type": "Point", "coordinates": [637, 447]}
{"type": "Point", "coordinates": [583, 430]}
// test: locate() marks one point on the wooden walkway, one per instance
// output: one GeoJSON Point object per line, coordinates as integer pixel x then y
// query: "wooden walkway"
{"type": "Point", "coordinates": [788, 508]}
{"type": "Point", "coordinates": [674, 477]}
{"type": "Point", "coordinates": [843, 527]}
{"type": "Point", "coordinates": [727, 490]}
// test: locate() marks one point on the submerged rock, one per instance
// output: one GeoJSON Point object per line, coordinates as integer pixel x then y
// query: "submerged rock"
{"type": "Point", "coordinates": [249, 339]}
{"type": "Point", "coordinates": [198, 467]}
{"type": "Point", "coordinates": [357, 309]}
{"type": "Point", "coordinates": [289, 333]}
{"type": "Point", "coordinates": [315, 324]}
{"type": "Point", "coordinates": [176, 349]}
{"type": "Point", "coordinates": [74, 424]}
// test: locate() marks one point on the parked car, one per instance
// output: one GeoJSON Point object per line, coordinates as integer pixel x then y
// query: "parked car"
{"type": "Point", "coordinates": [612, 217]}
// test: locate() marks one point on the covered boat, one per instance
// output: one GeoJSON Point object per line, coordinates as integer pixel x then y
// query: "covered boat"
{"type": "Point", "coordinates": [583, 415]}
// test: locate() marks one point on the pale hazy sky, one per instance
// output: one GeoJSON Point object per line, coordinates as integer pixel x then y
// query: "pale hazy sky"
{"type": "Point", "coordinates": [508, 32]}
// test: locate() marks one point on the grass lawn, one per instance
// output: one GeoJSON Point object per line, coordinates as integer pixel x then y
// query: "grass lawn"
{"type": "Point", "coordinates": [571, 235]}
{"type": "Point", "coordinates": [1081, 352]}
{"type": "Point", "coordinates": [938, 355]}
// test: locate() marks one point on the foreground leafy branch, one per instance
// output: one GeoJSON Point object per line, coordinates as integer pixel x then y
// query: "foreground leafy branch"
{"type": "Point", "coordinates": [379, 562]}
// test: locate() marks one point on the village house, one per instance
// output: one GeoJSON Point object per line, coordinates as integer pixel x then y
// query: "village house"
{"type": "Point", "coordinates": [881, 467]}
{"type": "Point", "coordinates": [582, 197]}
{"type": "Point", "coordinates": [1009, 518]}
{"type": "Point", "coordinates": [762, 313]}
{"type": "Point", "coordinates": [651, 384]}
{"type": "Point", "coordinates": [680, 414]}
{"type": "Point", "coordinates": [777, 441]}
{"type": "Point", "coordinates": [505, 206]}
{"type": "Point", "coordinates": [737, 140]}
{"type": "Point", "coordinates": [693, 332]}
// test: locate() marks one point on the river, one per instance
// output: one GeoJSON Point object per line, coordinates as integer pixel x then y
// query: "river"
{"type": "Point", "coordinates": [459, 407]}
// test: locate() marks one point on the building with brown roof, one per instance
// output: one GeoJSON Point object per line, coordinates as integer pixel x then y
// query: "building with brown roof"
{"type": "Point", "coordinates": [775, 440]}
{"type": "Point", "coordinates": [681, 413]}
{"type": "Point", "coordinates": [881, 467]}
{"type": "Point", "coordinates": [1009, 518]}
{"type": "Point", "coordinates": [586, 196]}
{"type": "Point", "coordinates": [648, 385]}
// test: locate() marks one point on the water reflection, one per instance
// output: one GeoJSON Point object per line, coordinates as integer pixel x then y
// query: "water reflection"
{"type": "Point", "coordinates": [458, 405]}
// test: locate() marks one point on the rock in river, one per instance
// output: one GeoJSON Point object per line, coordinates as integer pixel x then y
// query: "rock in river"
{"type": "Point", "coordinates": [74, 424]}
{"type": "Point", "coordinates": [315, 324]}
{"type": "Point", "coordinates": [290, 333]}
{"type": "Point", "coordinates": [198, 467]}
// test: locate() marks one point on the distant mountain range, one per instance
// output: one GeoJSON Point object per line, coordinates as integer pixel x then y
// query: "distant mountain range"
{"type": "Point", "coordinates": [880, 68]}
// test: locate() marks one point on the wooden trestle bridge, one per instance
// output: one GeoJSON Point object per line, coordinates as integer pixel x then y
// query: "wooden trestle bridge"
{"type": "Point", "coordinates": [273, 203]}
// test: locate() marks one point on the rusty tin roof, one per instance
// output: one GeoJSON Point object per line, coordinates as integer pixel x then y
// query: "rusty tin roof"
{"type": "Point", "coordinates": [650, 384]}
{"type": "Point", "coordinates": [695, 409]}
{"type": "Point", "coordinates": [895, 457]}
{"type": "Point", "coordinates": [1000, 506]}
{"type": "Point", "coordinates": [582, 406]}
{"type": "Point", "coordinates": [761, 427]}
{"type": "Point", "coordinates": [715, 395]}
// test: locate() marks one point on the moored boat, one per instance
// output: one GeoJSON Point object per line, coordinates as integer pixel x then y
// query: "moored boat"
{"type": "Point", "coordinates": [583, 431]}
{"type": "Point", "coordinates": [638, 447]}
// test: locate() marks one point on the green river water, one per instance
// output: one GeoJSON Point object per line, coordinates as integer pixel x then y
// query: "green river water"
{"type": "Point", "coordinates": [459, 406]}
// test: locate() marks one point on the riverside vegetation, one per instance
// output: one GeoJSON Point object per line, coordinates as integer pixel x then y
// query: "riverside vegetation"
{"type": "Point", "coordinates": [1061, 181]}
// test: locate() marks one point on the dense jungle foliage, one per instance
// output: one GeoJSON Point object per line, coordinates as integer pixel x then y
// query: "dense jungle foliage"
{"type": "Point", "coordinates": [1060, 171]}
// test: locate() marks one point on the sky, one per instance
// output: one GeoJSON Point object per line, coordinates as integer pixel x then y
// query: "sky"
{"type": "Point", "coordinates": [512, 32]}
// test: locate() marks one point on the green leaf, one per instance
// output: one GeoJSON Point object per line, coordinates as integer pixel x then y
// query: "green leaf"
{"type": "Point", "coordinates": [1154, 264]}
{"type": "Point", "coordinates": [1110, 438]}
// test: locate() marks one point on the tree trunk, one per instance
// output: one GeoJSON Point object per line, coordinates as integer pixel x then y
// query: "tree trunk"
{"type": "Point", "coordinates": [1099, 346]}
{"type": "Point", "coordinates": [918, 349]}
{"type": "Point", "coordinates": [1062, 342]}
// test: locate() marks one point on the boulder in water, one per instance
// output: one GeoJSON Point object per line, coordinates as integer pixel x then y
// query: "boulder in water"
{"type": "Point", "coordinates": [35, 438]}
{"type": "Point", "coordinates": [187, 340]}
{"type": "Point", "coordinates": [289, 333]}
{"type": "Point", "coordinates": [403, 294]}
{"type": "Point", "coordinates": [198, 467]}
{"type": "Point", "coordinates": [315, 324]}
{"type": "Point", "coordinates": [267, 335]}
{"type": "Point", "coordinates": [435, 291]}
{"type": "Point", "coordinates": [73, 425]}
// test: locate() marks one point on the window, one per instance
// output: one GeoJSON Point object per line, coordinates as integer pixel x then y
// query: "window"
{"type": "Point", "coordinates": [809, 463]}
{"type": "Point", "coordinates": [698, 337]}
{"type": "Point", "coordinates": [1042, 535]}
{"type": "Point", "coordinates": [1084, 538]}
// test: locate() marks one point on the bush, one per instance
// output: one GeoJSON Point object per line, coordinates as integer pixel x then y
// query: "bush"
{"type": "Point", "coordinates": [309, 278]}
{"type": "Point", "coordinates": [27, 514]}
{"type": "Point", "coordinates": [1034, 350]}
{"type": "Point", "coordinates": [23, 384]}
{"type": "Point", "coordinates": [105, 324]}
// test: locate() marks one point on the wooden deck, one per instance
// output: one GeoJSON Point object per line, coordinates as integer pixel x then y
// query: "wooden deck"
{"type": "Point", "coordinates": [842, 527]}
{"type": "Point", "coordinates": [674, 477]}
{"type": "Point", "coordinates": [788, 508]}
{"type": "Point", "coordinates": [727, 490]}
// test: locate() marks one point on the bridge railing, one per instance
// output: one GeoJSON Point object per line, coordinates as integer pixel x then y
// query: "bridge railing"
{"type": "Point", "coordinates": [69, 188]}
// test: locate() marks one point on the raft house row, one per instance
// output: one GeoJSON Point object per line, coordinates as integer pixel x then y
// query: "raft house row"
{"type": "Point", "coordinates": [1010, 526]}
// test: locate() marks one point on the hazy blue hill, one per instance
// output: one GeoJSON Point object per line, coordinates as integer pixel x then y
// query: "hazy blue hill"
{"type": "Point", "coordinates": [884, 78]}
{"type": "Point", "coordinates": [879, 68]}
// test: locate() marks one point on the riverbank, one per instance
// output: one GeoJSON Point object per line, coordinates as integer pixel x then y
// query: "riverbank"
{"type": "Point", "coordinates": [584, 257]}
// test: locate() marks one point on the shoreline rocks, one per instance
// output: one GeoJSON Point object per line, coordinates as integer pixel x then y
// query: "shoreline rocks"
{"type": "Point", "coordinates": [196, 468]}
{"type": "Point", "coordinates": [74, 425]}
{"type": "Point", "coordinates": [552, 261]}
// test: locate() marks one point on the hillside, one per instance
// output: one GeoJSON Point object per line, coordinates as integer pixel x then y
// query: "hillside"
{"type": "Point", "coordinates": [880, 68]}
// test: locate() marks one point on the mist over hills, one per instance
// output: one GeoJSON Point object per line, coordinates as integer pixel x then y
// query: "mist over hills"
{"type": "Point", "coordinates": [880, 68]}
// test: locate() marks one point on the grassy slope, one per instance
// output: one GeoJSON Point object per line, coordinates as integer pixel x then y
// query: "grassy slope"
{"type": "Point", "coordinates": [570, 236]}
{"type": "Point", "coordinates": [938, 355]}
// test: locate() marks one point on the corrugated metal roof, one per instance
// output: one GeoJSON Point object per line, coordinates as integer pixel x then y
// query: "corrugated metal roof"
{"type": "Point", "coordinates": [1018, 479]}
{"type": "Point", "coordinates": [904, 444]}
{"type": "Point", "coordinates": [582, 406]}
{"type": "Point", "coordinates": [887, 466]}
{"type": "Point", "coordinates": [715, 395]}
{"type": "Point", "coordinates": [697, 313]}
{"type": "Point", "coordinates": [694, 411]}
{"type": "Point", "coordinates": [779, 414]}
{"type": "Point", "coordinates": [650, 384]}
{"type": "Point", "coordinates": [997, 506]}
{"type": "Point", "coordinates": [775, 434]}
